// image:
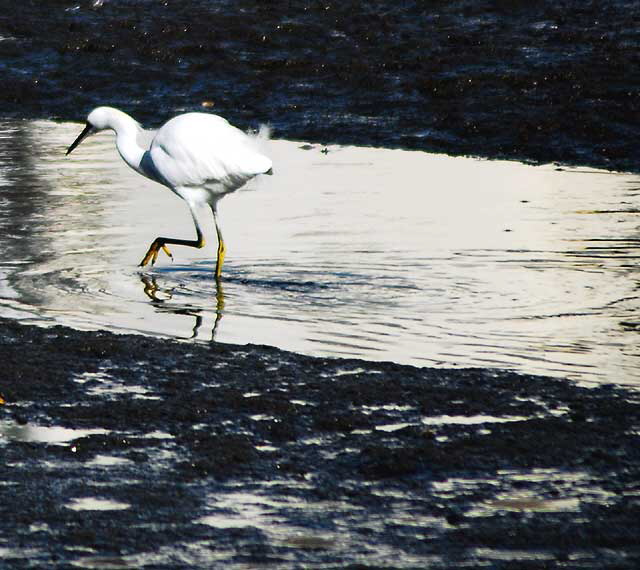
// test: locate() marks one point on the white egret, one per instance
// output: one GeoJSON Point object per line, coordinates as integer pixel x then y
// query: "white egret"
{"type": "Point", "coordinates": [199, 156]}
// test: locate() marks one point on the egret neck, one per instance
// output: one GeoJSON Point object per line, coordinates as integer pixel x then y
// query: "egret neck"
{"type": "Point", "coordinates": [127, 131]}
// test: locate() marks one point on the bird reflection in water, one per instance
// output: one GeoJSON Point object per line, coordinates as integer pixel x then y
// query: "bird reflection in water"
{"type": "Point", "coordinates": [159, 296]}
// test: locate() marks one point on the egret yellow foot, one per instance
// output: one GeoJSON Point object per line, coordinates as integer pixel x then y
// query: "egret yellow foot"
{"type": "Point", "coordinates": [152, 254]}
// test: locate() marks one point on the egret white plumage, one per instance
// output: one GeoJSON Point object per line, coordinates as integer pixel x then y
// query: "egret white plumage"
{"type": "Point", "coordinates": [198, 156]}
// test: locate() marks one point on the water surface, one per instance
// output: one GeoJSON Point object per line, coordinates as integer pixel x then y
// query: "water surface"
{"type": "Point", "coordinates": [346, 251]}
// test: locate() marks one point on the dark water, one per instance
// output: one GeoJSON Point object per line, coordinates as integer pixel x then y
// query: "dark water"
{"type": "Point", "coordinates": [541, 81]}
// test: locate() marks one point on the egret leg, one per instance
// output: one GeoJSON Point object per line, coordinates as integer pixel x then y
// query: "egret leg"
{"type": "Point", "coordinates": [222, 249]}
{"type": "Point", "coordinates": [160, 243]}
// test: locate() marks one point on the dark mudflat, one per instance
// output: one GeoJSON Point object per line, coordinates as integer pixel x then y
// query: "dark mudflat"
{"type": "Point", "coordinates": [541, 81]}
{"type": "Point", "coordinates": [247, 456]}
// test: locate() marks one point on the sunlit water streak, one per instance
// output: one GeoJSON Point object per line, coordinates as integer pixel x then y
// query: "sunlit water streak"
{"type": "Point", "coordinates": [373, 253]}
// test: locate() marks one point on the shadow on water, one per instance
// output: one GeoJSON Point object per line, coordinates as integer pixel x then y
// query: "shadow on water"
{"type": "Point", "coordinates": [357, 252]}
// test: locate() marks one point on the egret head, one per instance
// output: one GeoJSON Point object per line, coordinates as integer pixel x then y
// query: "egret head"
{"type": "Point", "coordinates": [99, 119]}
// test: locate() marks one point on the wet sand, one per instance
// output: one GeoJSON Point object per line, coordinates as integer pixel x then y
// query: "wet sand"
{"type": "Point", "coordinates": [126, 452]}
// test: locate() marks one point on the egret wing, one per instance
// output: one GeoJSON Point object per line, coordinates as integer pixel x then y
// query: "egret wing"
{"type": "Point", "coordinates": [198, 149]}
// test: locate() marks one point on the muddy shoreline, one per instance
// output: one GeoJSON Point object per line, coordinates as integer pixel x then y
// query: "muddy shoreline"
{"type": "Point", "coordinates": [213, 455]}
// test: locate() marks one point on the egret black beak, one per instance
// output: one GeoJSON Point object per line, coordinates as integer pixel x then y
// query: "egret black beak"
{"type": "Point", "coordinates": [85, 132]}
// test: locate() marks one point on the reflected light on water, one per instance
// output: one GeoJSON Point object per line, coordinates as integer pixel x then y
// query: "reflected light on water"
{"type": "Point", "coordinates": [56, 435]}
{"type": "Point", "coordinates": [93, 504]}
{"type": "Point", "coordinates": [373, 253]}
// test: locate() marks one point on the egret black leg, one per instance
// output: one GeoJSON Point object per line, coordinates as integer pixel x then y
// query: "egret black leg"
{"type": "Point", "coordinates": [160, 243]}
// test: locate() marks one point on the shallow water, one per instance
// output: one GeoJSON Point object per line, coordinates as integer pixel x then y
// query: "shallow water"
{"type": "Point", "coordinates": [373, 253]}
